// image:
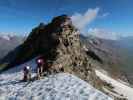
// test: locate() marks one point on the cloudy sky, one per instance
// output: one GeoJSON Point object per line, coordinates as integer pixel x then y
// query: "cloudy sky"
{"type": "Point", "coordinates": [20, 16]}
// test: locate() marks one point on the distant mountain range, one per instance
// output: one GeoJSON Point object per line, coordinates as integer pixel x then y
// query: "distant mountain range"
{"type": "Point", "coordinates": [126, 49]}
{"type": "Point", "coordinates": [118, 52]}
{"type": "Point", "coordinates": [8, 43]}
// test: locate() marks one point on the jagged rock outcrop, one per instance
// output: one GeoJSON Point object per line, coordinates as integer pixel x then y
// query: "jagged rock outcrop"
{"type": "Point", "coordinates": [59, 43]}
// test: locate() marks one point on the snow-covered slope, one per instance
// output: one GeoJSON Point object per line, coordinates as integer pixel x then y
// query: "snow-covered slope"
{"type": "Point", "coordinates": [120, 87]}
{"type": "Point", "coordinates": [60, 86]}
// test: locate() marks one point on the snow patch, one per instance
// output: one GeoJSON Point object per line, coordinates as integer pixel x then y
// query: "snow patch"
{"type": "Point", "coordinates": [62, 86]}
{"type": "Point", "coordinates": [6, 37]}
{"type": "Point", "coordinates": [119, 87]}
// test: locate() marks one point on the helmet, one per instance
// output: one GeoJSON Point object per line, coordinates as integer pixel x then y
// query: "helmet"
{"type": "Point", "coordinates": [27, 67]}
{"type": "Point", "coordinates": [39, 60]}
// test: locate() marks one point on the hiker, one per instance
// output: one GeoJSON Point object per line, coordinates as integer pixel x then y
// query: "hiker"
{"type": "Point", "coordinates": [40, 67]}
{"type": "Point", "coordinates": [27, 73]}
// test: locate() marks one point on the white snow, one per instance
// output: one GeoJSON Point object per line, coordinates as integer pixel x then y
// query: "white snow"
{"type": "Point", "coordinates": [119, 87]}
{"type": "Point", "coordinates": [60, 86]}
{"type": "Point", "coordinates": [6, 36]}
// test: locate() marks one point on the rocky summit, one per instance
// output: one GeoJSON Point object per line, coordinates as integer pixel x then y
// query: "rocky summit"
{"type": "Point", "coordinates": [59, 43]}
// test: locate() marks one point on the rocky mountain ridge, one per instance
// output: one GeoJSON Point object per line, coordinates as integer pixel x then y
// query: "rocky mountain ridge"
{"type": "Point", "coordinates": [59, 43]}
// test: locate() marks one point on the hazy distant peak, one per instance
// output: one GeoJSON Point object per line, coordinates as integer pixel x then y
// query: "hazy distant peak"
{"type": "Point", "coordinates": [103, 34]}
{"type": "Point", "coordinates": [7, 36]}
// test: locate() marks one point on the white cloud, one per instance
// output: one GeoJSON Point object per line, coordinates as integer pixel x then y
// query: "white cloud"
{"type": "Point", "coordinates": [104, 34]}
{"type": "Point", "coordinates": [104, 15]}
{"type": "Point", "coordinates": [82, 20]}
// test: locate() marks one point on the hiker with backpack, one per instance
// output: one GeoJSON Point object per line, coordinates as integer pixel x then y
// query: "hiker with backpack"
{"type": "Point", "coordinates": [27, 73]}
{"type": "Point", "coordinates": [40, 67]}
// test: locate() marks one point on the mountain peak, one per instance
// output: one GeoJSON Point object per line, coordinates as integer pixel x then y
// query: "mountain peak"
{"type": "Point", "coordinates": [59, 43]}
